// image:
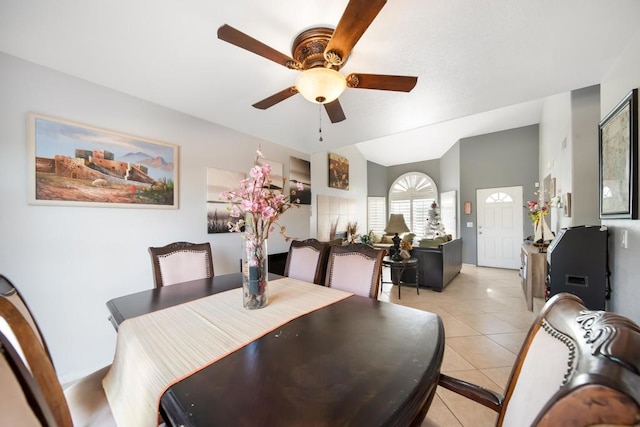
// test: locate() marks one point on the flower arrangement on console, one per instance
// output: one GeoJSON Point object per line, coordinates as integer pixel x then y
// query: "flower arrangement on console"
{"type": "Point", "coordinates": [257, 208]}
{"type": "Point", "coordinates": [537, 210]}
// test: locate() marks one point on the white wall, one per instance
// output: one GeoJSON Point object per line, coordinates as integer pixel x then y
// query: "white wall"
{"type": "Point", "coordinates": [555, 150]}
{"type": "Point", "coordinates": [69, 261]}
{"type": "Point", "coordinates": [357, 183]}
{"type": "Point", "coordinates": [569, 153]}
{"type": "Point", "coordinates": [618, 82]}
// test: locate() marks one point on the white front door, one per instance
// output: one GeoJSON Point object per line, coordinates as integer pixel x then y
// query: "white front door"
{"type": "Point", "coordinates": [499, 226]}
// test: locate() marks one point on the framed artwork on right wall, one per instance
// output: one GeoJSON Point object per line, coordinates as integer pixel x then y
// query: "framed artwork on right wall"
{"type": "Point", "coordinates": [618, 158]}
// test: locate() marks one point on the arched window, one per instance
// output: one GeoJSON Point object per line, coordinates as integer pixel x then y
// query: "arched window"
{"type": "Point", "coordinates": [499, 197]}
{"type": "Point", "coordinates": [411, 195]}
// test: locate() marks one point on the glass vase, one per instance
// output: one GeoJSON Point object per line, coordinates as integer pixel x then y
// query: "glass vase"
{"type": "Point", "coordinates": [255, 273]}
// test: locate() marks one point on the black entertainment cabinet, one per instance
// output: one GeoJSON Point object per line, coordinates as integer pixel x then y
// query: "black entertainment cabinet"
{"type": "Point", "coordinates": [577, 262]}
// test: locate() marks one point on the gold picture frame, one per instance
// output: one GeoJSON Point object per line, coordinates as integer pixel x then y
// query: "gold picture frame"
{"type": "Point", "coordinates": [75, 164]}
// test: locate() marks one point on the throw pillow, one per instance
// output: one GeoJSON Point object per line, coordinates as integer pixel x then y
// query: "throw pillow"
{"type": "Point", "coordinates": [408, 237]}
{"type": "Point", "coordinates": [387, 239]}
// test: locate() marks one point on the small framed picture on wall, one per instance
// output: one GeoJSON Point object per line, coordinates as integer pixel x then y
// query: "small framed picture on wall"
{"type": "Point", "coordinates": [338, 172]}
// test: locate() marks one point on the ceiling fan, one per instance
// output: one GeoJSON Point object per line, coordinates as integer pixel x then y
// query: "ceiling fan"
{"type": "Point", "coordinates": [319, 53]}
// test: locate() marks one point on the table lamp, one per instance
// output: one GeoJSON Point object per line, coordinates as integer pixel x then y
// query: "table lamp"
{"type": "Point", "coordinates": [396, 225]}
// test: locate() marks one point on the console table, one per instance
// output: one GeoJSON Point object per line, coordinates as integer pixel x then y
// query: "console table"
{"type": "Point", "coordinates": [399, 267]}
{"type": "Point", "coordinates": [533, 273]}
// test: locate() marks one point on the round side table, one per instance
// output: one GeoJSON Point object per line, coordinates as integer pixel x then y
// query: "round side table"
{"type": "Point", "coordinates": [397, 268]}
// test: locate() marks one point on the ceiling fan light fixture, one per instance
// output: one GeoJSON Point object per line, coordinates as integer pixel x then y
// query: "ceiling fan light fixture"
{"type": "Point", "coordinates": [321, 85]}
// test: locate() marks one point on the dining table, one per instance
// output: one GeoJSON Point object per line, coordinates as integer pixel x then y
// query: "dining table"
{"type": "Point", "coordinates": [343, 361]}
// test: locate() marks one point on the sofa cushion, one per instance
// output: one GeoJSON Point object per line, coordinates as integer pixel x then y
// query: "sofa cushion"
{"type": "Point", "coordinates": [432, 243]}
{"type": "Point", "coordinates": [386, 239]}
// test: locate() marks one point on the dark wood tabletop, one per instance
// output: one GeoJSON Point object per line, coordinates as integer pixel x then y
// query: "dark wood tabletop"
{"type": "Point", "coordinates": [357, 362]}
{"type": "Point", "coordinates": [154, 299]}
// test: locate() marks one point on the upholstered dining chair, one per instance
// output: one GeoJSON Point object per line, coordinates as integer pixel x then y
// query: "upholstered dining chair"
{"type": "Point", "coordinates": [83, 403]}
{"type": "Point", "coordinates": [307, 260]}
{"type": "Point", "coordinates": [181, 262]}
{"type": "Point", "coordinates": [576, 367]}
{"type": "Point", "coordinates": [355, 268]}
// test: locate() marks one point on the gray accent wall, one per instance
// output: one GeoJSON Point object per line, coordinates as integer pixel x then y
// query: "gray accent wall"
{"type": "Point", "coordinates": [501, 159]}
{"type": "Point", "coordinates": [377, 185]}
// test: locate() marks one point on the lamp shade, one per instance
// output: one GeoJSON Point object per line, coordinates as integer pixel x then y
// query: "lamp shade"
{"type": "Point", "coordinates": [396, 224]}
{"type": "Point", "coordinates": [321, 85]}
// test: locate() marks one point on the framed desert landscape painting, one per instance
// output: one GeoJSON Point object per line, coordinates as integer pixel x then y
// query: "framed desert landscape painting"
{"type": "Point", "coordinates": [79, 165]}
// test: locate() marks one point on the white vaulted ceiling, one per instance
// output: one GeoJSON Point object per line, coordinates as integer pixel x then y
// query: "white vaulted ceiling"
{"type": "Point", "coordinates": [482, 65]}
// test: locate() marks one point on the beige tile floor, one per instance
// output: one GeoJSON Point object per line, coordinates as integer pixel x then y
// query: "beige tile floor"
{"type": "Point", "coordinates": [485, 321]}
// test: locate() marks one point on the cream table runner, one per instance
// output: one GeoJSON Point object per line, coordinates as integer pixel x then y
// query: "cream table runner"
{"type": "Point", "coordinates": [156, 350]}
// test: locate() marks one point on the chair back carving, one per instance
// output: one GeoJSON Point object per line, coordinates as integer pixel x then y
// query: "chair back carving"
{"type": "Point", "coordinates": [355, 268]}
{"type": "Point", "coordinates": [181, 262]}
{"type": "Point", "coordinates": [575, 367]}
{"type": "Point", "coordinates": [307, 260]}
{"type": "Point", "coordinates": [571, 357]}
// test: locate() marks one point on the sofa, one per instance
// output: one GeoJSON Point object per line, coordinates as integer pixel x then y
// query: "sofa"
{"type": "Point", "coordinates": [437, 265]}
{"type": "Point", "coordinates": [386, 242]}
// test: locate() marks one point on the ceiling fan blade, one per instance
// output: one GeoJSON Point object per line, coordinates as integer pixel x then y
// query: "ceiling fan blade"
{"type": "Point", "coordinates": [334, 110]}
{"type": "Point", "coordinates": [240, 39]}
{"type": "Point", "coordinates": [381, 82]}
{"type": "Point", "coordinates": [355, 20]}
{"type": "Point", "coordinates": [274, 99]}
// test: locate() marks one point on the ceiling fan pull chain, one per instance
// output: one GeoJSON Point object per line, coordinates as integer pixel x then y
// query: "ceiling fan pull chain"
{"type": "Point", "coordinates": [320, 121]}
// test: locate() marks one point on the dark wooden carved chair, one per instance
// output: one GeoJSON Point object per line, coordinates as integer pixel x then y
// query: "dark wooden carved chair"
{"type": "Point", "coordinates": [181, 262]}
{"type": "Point", "coordinates": [22, 403]}
{"type": "Point", "coordinates": [576, 367]}
{"type": "Point", "coordinates": [307, 260]}
{"type": "Point", "coordinates": [355, 268]}
{"type": "Point", "coordinates": [11, 293]}
{"type": "Point", "coordinates": [84, 402]}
